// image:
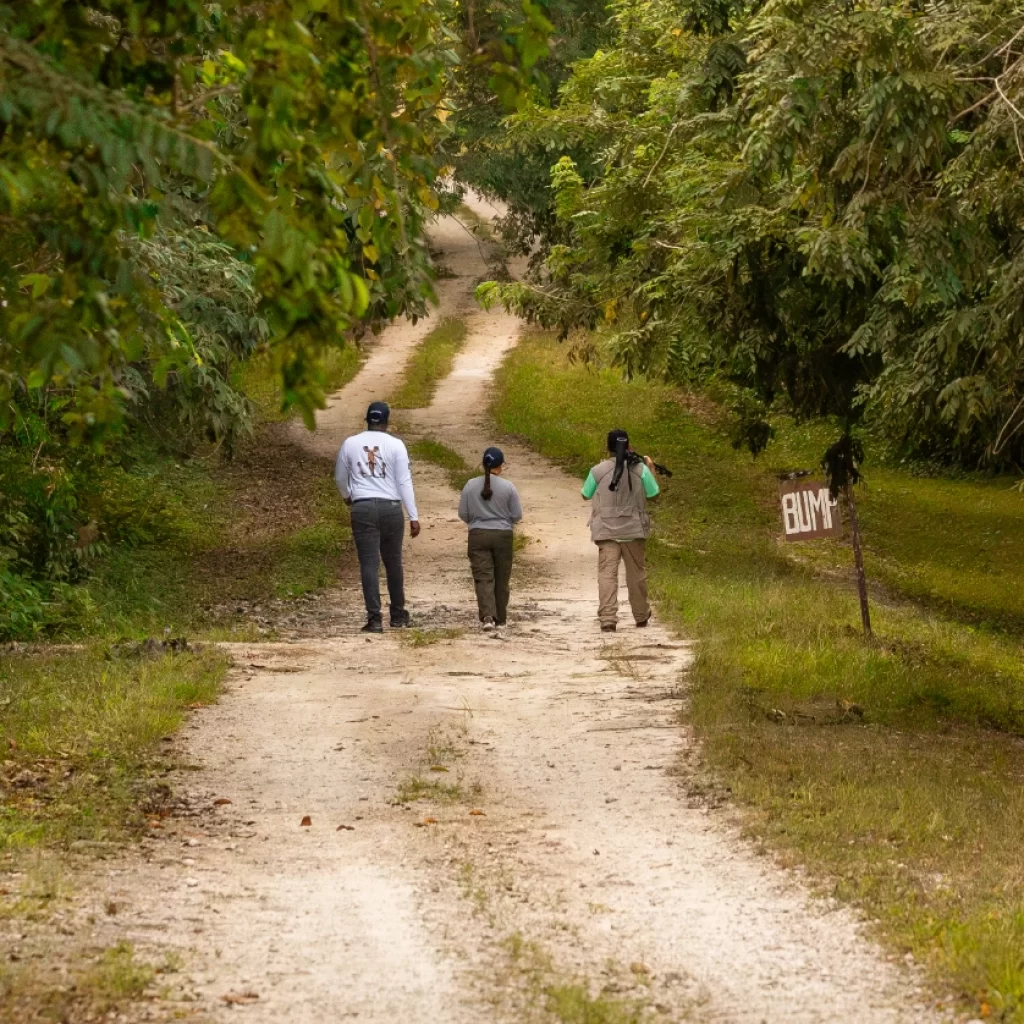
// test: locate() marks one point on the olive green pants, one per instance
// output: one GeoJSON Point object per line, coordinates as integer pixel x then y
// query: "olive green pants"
{"type": "Point", "coordinates": [490, 558]}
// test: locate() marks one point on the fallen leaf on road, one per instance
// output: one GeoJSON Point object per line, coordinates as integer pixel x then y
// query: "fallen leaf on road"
{"type": "Point", "coordinates": [639, 968]}
{"type": "Point", "coordinates": [240, 998]}
{"type": "Point", "coordinates": [438, 768]}
{"type": "Point", "coordinates": [347, 828]}
{"type": "Point", "coordinates": [430, 821]}
{"type": "Point", "coordinates": [221, 801]}
{"type": "Point", "coordinates": [306, 821]}
{"type": "Point", "coordinates": [478, 814]}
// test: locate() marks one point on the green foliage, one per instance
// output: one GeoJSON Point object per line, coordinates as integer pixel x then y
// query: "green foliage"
{"type": "Point", "coordinates": [821, 202]}
{"type": "Point", "coordinates": [514, 169]}
{"type": "Point", "coordinates": [301, 137]}
{"type": "Point", "coordinates": [188, 187]}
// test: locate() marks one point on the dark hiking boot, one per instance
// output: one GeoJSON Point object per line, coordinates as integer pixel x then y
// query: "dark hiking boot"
{"type": "Point", "coordinates": [641, 625]}
{"type": "Point", "coordinates": [373, 626]}
{"type": "Point", "coordinates": [608, 627]}
{"type": "Point", "coordinates": [488, 624]}
{"type": "Point", "coordinates": [401, 621]}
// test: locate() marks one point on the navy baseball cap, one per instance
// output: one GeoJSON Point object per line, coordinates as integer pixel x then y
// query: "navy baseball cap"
{"type": "Point", "coordinates": [493, 458]}
{"type": "Point", "coordinates": [378, 413]}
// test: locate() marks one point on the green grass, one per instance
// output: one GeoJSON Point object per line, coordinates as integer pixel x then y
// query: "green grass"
{"type": "Point", "coordinates": [546, 993]}
{"type": "Point", "coordinates": [458, 470]}
{"type": "Point", "coordinates": [113, 981]}
{"type": "Point", "coordinates": [416, 788]}
{"type": "Point", "coordinates": [479, 225]}
{"type": "Point", "coordinates": [82, 731]}
{"type": "Point", "coordinates": [430, 363]}
{"type": "Point", "coordinates": [262, 383]}
{"type": "Point", "coordinates": [429, 637]}
{"type": "Point", "coordinates": [573, 1004]}
{"type": "Point", "coordinates": [269, 525]}
{"type": "Point", "coordinates": [915, 811]}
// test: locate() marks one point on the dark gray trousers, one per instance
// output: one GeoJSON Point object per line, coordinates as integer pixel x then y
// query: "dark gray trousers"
{"type": "Point", "coordinates": [490, 558]}
{"type": "Point", "coordinates": [378, 527]}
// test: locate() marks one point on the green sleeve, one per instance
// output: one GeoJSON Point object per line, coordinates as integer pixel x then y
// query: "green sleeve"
{"type": "Point", "coordinates": [651, 488]}
{"type": "Point", "coordinates": [591, 486]}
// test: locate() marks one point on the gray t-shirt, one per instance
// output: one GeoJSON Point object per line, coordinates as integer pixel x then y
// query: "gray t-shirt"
{"type": "Point", "coordinates": [500, 513]}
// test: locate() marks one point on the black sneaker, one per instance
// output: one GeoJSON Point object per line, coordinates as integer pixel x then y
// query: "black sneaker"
{"type": "Point", "coordinates": [403, 621]}
{"type": "Point", "coordinates": [608, 628]}
{"type": "Point", "coordinates": [373, 626]}
{"type": "Point", "coordinates": [641, 625]}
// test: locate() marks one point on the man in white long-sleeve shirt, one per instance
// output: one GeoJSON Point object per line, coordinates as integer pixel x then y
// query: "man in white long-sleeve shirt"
{"type": "Point", "coordinates": [374, 478]}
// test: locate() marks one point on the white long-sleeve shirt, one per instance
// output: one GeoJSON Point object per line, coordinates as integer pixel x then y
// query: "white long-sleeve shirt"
{"type": "Point", "coordinates": [374, 464]}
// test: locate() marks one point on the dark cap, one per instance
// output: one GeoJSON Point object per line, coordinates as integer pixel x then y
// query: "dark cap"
{"type": "Point", "coordinates": [378, 413]}
{"type": "Point", "coordinates": [614, 436]}
{"type": "Point", "coordinates": [493, 458]}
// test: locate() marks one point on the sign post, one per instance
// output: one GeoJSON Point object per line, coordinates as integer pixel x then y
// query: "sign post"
{"type": "Point", "coordinates": [809, 512]}
{"type": "Point", "coordinates": [858, 560]}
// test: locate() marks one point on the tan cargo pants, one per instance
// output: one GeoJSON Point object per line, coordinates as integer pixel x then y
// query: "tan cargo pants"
{"type": "Point", "coordinates": [632, 553]}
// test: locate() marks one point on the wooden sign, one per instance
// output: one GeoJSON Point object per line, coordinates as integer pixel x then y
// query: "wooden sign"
{"type": "Point", "coordinates": [808, 512]}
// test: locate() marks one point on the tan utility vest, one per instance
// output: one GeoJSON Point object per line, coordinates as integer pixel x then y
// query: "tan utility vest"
{"type": "Point", "coordinates": [620, 514]}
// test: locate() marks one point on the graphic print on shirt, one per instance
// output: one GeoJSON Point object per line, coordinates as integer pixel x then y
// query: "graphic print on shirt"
{"type": "Point", "coordinates": [374, 461]}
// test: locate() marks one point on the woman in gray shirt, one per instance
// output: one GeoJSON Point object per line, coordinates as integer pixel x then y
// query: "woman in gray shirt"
{"type": "Point", "coordinates": [490, 507]}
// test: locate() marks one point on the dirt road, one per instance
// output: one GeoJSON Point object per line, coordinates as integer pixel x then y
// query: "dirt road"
{"type": "Point", "coordinates": [500, 829]}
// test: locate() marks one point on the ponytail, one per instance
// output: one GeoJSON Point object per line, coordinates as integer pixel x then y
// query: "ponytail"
{"type": "Point", "coordinates": [493, 458]}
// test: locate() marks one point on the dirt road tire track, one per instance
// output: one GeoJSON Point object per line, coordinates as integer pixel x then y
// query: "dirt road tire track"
{"type": "Point", "coordinates": [586, 864]}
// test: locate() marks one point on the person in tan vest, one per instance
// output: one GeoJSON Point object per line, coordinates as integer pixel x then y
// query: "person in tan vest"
{"type": "Point", "coordinates": [620, 526]}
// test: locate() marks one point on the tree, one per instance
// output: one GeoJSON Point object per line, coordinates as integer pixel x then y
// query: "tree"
{"type": "Point", "coordinates": [299, 134]}
{"type": "Point", "coordinates": [820, 201]}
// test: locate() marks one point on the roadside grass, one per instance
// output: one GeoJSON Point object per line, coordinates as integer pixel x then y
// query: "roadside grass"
{"type": "Point", "coordinates": [458, 470]}
{"type": "Point", "coordinates": [82, 733]}
{"type": "Point", "coordinates": [430, 364]}
{"type": "Point", "coordinates": [267, 526]}
{"type": "Point", "coordinates": [221, 536]}
{"type": "Point", "coordinates": [262, 383]}
{"type": "Point", "coordinates": [892, 768]}
{"type": "Point", "coordinates": [113, 981]}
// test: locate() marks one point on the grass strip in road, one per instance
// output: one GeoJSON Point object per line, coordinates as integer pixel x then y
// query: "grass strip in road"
{"type": "Point", "coordinates": [891, 768]}
{"type": "Point", "coordinates": [105, 987]}
{"type": "Point", "coordinates": [458, 470]}
{"type": "Point", "coordinates": [431, 362]}
{"type": "Point", "coordinates": [82, 732]}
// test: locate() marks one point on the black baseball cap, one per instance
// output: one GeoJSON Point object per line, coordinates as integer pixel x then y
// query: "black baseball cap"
{"type": "Point", "coordinates": [614, 436]}
{"type": "Point", "coordinates": [493, 458]}
{"type": "Point", "coordinates": [378, 413]}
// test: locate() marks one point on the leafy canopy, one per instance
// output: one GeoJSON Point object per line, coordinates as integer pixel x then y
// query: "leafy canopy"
{"type": "Point", "coordinates": [300, 135]}
{"type": "Point", "coordinates": [820, 201]}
